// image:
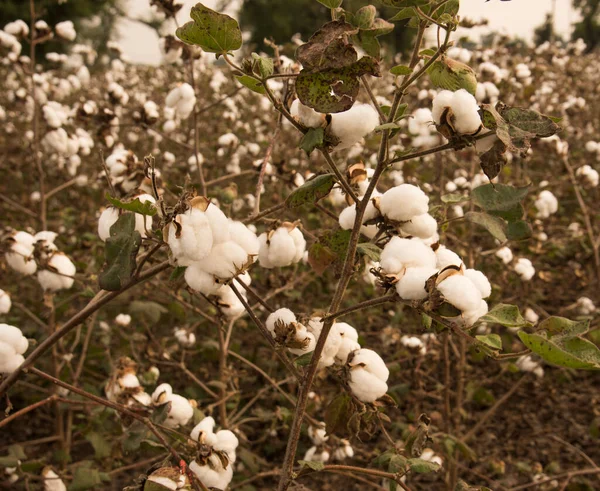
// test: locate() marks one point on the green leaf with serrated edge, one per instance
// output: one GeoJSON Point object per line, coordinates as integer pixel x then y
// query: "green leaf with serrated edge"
{"type": "Point", "coordinates": [330, 4]}
{"type": "Point", "coordinates": [492, 340]}
{"type": "Point", "coordinates": [312, 139]}
{"type": "Point", "coordinates": [570, 352]}
{"type": "Point", "coordinates": [212, 31]}
{"type": "Point", "coordinates": [518, 230]}
{"type": "Point", "coordinates": [500, 200]}
{"type": "Point", "coordinates": [421, 466]}
{"type": "Point", "coordinates": [505, 315]}
{"type": "Point", "coordinates": [494, 225]}
{"type": "Point", "coordinates": [265, 65]}
{"type": "Point", "coordinates": [338, 413]}
{"type": "Point", "coordinates": [303, 360]}
{"type": "Point", "coordinates": [453, 198]}
{"type": "Point", "coordinates": [311, 464]}
{"type": "Point", "coordinates": [561, 326]}
{"type": "Point", "coordinates": [370, 250]}
{"type": "Point", "coordinates": [399, 70]}
{"type": "Point", "coordinates": [311, 191]}
{"type": "Point", "coordinates": [120, 252]}
{"type": "Point", "coordinates": [136, 205]}
{"type": "Point", "coordinates": [251, 83]}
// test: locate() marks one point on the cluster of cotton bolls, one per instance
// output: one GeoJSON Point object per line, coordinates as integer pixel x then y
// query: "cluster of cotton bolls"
{"type": "Point", "coordinates": [215, 250]}
{"type": "Point", "coordinates": [182, 100]}
{"type": "Point", "coordinates": [126, 171]}
{"type": "Point", "coordinates": [348, 127]}
{"type": "Point", "coordinates": [459, 110]}
{"type": "Point", "coordinates": [546, 204]}
{"type": "Point", "coordinates": [522, 266]}
{"type": "Point", "coordinates": [12, 347]}
{"type": "Point", "coordinates": [28, 253]}
{"type": "Point", "coordinates": [321, 451]}
{"type": "Point", "coordinates": [487, 92]}
{"type": "Point", "coordinates": [124, 385]}
{"type": "Point", "coordinates": [588, 175]}
{"type": "Point", "coordinates": [214, 468]}
{"type": "Point", "coordinates": [367, 371]}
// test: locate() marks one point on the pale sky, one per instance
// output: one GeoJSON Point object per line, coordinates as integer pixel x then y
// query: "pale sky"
{"type": "Point", "coordinates": [517, 17]}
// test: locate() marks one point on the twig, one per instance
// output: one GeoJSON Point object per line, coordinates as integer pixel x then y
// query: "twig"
{"type": "Point", "coordinates": [263, 169]}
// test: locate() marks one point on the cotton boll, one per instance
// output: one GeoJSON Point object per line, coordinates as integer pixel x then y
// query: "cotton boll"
{"type": "Point", "coordinates": [505, 254]}
{"type": "Point", "coordinates": [592, 146]}
{"type": "Point", "coordinates": [306, 115]}
{"type": "Point", "coordinates": [445, 257]}
{"type": "Point", "coordinates": [228, 302]}
{"type": "Point", "coordinates": [203, 432]}
{"type": "Point", "coordinates": [589, 175]}
{"type": "Point", "coordinates": [461, 292]}
{"type": "Point", "coordinates": [20, 254]}
{"type": "Point", "coordinates": [480, 281]}
{"type": "Point", "coordinates": [546, 204]}
{"type": "Point", "coordinates": [184, 337]}
{"type": "Point", "coordinates": [299, 244]}
{"type": "Point", "coordinates": [59, 275]}
{"type": "Point", "coordinates": [194, 241]}
{"type": "Point", "coordinates": [225, 260]}
{"type": "Point", "coordinates": [368, 375]}
{"type": "Point", "coordinates": [332, 344]}
{"type": "Point", "coordinates": [531, 316]}
{"type": "Point", "coordinates": [180, 412]}
{"type": "Point", "coordinates": [524, 268]}
{"type": "Point", "coordinates": [200, 280]}
{"type": "Point", "coordinates": [52, 481]}
{"type": "Point", "coordinates": [422, 226]}
{"type": "Point", "coordinates": [212, 478]}
{"type": "Point", "coordinates": [123, 320]}
{"type": "Point", "coordinates": [318, 435]}
{"type": "Point", "coordinates": [402, 203]}
{"type": "Point", "coordinates": [465, 112]}
{"type": "Point", "coordinates": [244, 237]}
{"type": "Point", "coordinates": [284, 316]}
{"type": "Point", "coordinates": [472, 316]}
{"type": "Point", "coordinates": [585, 306]}
{"type": "Point", "coordinates": [281, 247]}
{"type": "Point", "coordinates": [400, 253]}
{"type": "Point", "coordinates": [430, 456]}
{"type": "Point", "coordinates": [349, 342]}
{"type": "Point", "coordinates": [352, 125]}
{"type": "Point", "coordinates": [313, 455]}
{"type": "Point", "coordinates": [412, 284]}
{"type": "Point", "coordinates": [12, 346]}
{"type": "Point", "coordinates": [527, 364]}
{"type": "Point", "coordinates": [5, 302]}
{"type": "Point", "coordinates": [343, 452]}
{"type": "Point", "coordinates": [441, 102]}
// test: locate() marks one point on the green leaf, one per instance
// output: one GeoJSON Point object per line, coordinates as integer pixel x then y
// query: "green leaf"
{"type": "Point", "coordinates": [265, 65]}
{"type": "Point", "coordinates": [401, 70]}
{"type": "Point", "coordinates": [405, 13]}
{"type": "Point", "coordinates": [311, 191]}
{"type": "Point", "coordinates": [570, 352]}
{"type": "Point", "coordinates": [505, 315]}
{"type": "Point", "coordinates": [149, 310]}
{"type": "Point", "coordinates": [253, 84]}
{"type": "Point", "coordinates": [405, 3]}
{"type": "Point", "coordinates": [86, 477]}
{"type": "Point", "coordinates": [494, 225]}
{"type": "Point", "coordinates": [120, 253]}
{"type": "Point", "coordinates": [453, 198]}
{"type": "Point", "coordinates": [136, 205]}
{"type": "Point", "coordinates": [320, 258]}
{"type": "Point", "coordinates": [315, 466]}
{"type": "Point", "coordinates": [177, 273]}
{"type": "Point", "coordinates": [102, 448]}
{"type": "Point", "coordinates": [421, 466]}
{"type": "Point", "coordinates": [212, 31]}
{"type": "Point", "coordinates": [518, 230]}
{"type": "Point", "coordinates": [364, 17]}
{"type": "Point", "coordinates": [492, 340]}
{"type": "Point", "coordinates": [500, 200]}
{"type": "Point", "coordinates": [370, 250]}
{"type": "Point", "coordinates": [560, 326]}
{"type": "Point", "coordinates": [303, 360]}
{"type": "Point", "coordinates": [334, 90]}
{"type": "Point", "coordinates": [312, 139]}
{"type": "Point", "coordinates": [328, 48]}
{"type": "Point", "coordinates": [330, 4]}
{"type": "Point", "coordinates": [9, 461]}
{"type": "Point", "coordinates": [338, 413]}
{"type": "Point", "coordinates": [530, 121]}
{"type": "Point", "coordinates": [386, 126]}
{"type": "Point", "coordinates": [161, 413]}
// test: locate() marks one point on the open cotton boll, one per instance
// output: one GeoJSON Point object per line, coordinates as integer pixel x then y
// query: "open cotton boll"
{"type": "Point", "coordinates": [480, 281]}
{"type": "Point", "coordinates": [422, 226]}
{"type": "Point", "coordinates": [180, 412]}
{"type": "Point", "coordinates": [430, 456]}
{"type": "Point", "coordinates": [530, 315]}
{"type": "Point", "coordinates": [306, 115]}
{"type": "Point", "coordinates": [18, 28]}
{"type": "Point", "coordinates": [244, 237]}
{"type": "Point", "coordinates": [194, 241]}
{"type": "Point", "coordinates": [352, 125]}
{"type": "Point", "coordinates": [212, 478]}
{"type": "Point", "coordinates": [203, 432]}
{"type": "Point", "coordinates": [224, 261]}
{"type": "Point", "coordinates": [585, 306]}
{"type": "Point", "coordinates": [167, 479]}
{"type": "Point", "coordinates": [466, 113]}
{"type": "Point", "coordinates": [59, 275]}
{"type": "Point", "coordinates": [123, 320]}
{"type": "Point", "coordinates": [281, 247]}
{"type": "Point", "coordinates": [5, 302]}
{"type": "Point", "coordinates": [461, 292]}
{"type": "Point", "coordinates": [52, 481]}
{"type": "Point", "coordinates": [524, 268]}
{"type": "Point", "coordinates": [368, 375]}
{"type": "Point", "coordinates": [66, 30]}
{"type": "Point", "coordinates": [184, 337]}
{"type": "Point", "coordinates": [546, 204]}
{"type": "Point", "coordinates": [400, 253]}
{"type": "Point", "coordinates": [343, 452]}
{"type": "Point", "coordinates": [228, 302]}
{"type": "Point", "coordinates": [313, 455]}
{"type": "Point", "coordinates": [527, 364]}
{"type": "Point", "coordinates": [200, 280]}
{"type": "Point", "coordinates": [445, 257]}
{"type": "Point", "coordinates": [283, 316]}
{"type": "Point", "coordinates": [471, 316]}
{"type": "Point", "coordinates": [349, 342]}
{"type": "Point", "coordinates": [318, 434]}
{"type": "Point", "coordinates": [332, 344]}
{"type": "Point", "coordinates": [12, 346]}
{"type": "Point", "coordinates": [413, 342]}
{"type": "Point", "coordinates": [403, 202]}
{"type": "Point", "coordinates": [505, 254]}
{"type": "Point", "coordinates": [589, 175]}
{"type": "Point", "coordinates": [441, 102]}
{"type": "Point", "coordinates": [412, 284]}
{"type": "Point", "coordinates": [20, 254]}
